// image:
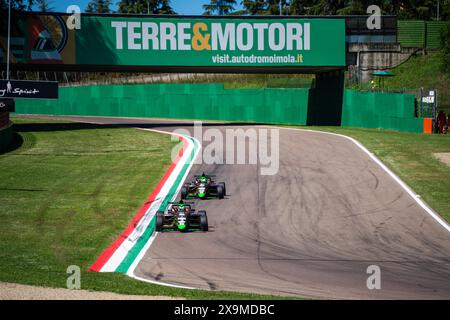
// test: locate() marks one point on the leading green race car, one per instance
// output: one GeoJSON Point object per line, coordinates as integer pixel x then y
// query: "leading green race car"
{"type": "Point", "coordinates": [203, 187]}
{"type": "Point", "coordinates": [181, 216]}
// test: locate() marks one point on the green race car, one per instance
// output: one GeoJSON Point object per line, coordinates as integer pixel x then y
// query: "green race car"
{"type": "Point", "coordinates": [203, 187]}
{"type": "Point", "coordinates": [181, 216]}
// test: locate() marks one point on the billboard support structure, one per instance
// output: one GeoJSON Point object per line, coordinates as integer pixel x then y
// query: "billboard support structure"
{"type": "Point", "coordinates": [9, 40]}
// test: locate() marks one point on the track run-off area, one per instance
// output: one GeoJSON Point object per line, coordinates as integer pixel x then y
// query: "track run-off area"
{"type": "Point", "coordinates": [312, 229]}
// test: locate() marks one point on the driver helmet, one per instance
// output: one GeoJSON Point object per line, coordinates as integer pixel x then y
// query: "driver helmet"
{"type": "Point", "coordinates": [203, 178]}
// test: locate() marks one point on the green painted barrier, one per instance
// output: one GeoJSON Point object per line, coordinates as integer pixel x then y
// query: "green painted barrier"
{"type": "Point", "coordinates": [419, 33]}
{"type": "Point", "coordinates": [434, 29]}
{"type": "Point", "coordinates": [411, 33]}
{"type": "Point", "coordinates": [185, 101]}
{"type": "Point", "coordinates": [214, 102]}
{"type": "Point", "coordinates": [393, 111]}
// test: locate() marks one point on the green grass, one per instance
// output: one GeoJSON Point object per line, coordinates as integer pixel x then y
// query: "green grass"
{"type": "Point", "coordinates": [420, 71]}
{"type": "Point", "coordinates": [67, 192]}
{"type": "Point", "coordinates": [410, 156]}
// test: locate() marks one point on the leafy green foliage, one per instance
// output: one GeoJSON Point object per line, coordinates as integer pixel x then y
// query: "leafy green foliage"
{"type": "Point", "coordinates": [445, 44]}
{"type": "Point", "coordinates": [67, 192]}
{"type": "Point", "coordinates": [98, 6]}
{"type": "Point", "coordinates": [221, 7]}
{"type": "Point", "coordinates": [419, 71]}
{"type": "Point", "coordinates": [255, 7]}
{"type": "Point", "coordinates": [403, 9]}
{"type": "Point", "coordinates": [412, 9]}
{"type": "Point", "coordinates": [21, 5]}
{"type": "Point", "coordinates": [44, 5]}
{"type": "Point", "coordinates": [144, 6]}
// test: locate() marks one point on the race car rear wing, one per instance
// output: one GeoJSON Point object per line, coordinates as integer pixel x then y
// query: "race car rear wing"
{"type": "Point", "coordinates": [185, 203]}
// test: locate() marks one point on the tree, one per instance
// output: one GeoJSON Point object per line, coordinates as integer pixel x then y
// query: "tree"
{"type": "Point", "coordinates": [221, 7]}
{"type": "Point", "coordinates": [98, 6]}
{"type": "Point", "coordinates": [273, 7]}
{"type": "Point", "coordinates": [255, 7]}
{"type": "Point", "coordinates": [445, 11]}
{"type": "Point", "coordinates": [297, 7]}
{"type": "Point", "coordinates": [144, 6]}
{"type": "Point", "coordinates": [329, 7]}
{"type": "Point", "coordinates": [44, 5]}
{"type": "Point", "coordinates": [445, 46]}
{"type": "Point", "coordinates": [21, 5]}
{"type": "Point", "coordinates": [412, 9]}
{"type": "Point", "coordinates": [164, 8]}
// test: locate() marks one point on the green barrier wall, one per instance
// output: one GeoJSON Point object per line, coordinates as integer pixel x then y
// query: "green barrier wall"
{"type": "Point", "coordinates": [434, 34]}
{"type": "Point", "coordinates": [419, 33]}
{"type": "Point", "coordinates": [186, 101]}
{"type": "Point", "coordinates": [392, 111]}
{"type": "Point", "coordinates": [213, 102]}
{"type": "Point", "coordinates": [411, 33]}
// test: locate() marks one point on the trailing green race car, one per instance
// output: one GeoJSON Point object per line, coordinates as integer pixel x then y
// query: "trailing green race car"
{"type": "Point", "coordinates": [203, 187]}
{"type": "Point", "coordinates": [181, 216]}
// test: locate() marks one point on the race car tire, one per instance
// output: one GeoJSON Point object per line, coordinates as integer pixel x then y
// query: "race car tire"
{"type": "Point", "coordinates": [220, 191]}
{"type": "Point", "coordinates": [203, 220]}
{"type": "Point", "coordinates": [184, 192]}
{"type": "Point", "coordinates": [224, 188]}
{"type": "Point", "coordinates": [159, 221]}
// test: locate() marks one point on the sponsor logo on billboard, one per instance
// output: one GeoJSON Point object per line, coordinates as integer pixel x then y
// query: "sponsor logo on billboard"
{"type": "Point", "coordinates": [28, 89]}
{"type": "Point", "coordinates": [17, 91]}
{"type": "Point", "coordinates": [429, 98]}
{"type": "Point", "coordinates": [199, 36]}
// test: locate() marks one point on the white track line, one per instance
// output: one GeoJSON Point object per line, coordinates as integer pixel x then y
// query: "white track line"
{"type": "Point", "coordinates": [128, 244]}
{"type": "Point", "coordinates": [147, 246]}
{"type": "Point", "coordinates": [405, 187]}
{"type": "Point", "coordinates": [357, 143]}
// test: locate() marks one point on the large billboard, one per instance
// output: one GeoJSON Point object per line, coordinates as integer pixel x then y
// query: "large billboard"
{"type": "Point", "coordinates": [114, 40]}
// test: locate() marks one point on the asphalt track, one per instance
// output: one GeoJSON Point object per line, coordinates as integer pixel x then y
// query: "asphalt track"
{"type": "Point", "coordinates": [312, 229]}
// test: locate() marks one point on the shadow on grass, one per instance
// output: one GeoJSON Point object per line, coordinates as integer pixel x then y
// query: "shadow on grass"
{"type": "Point", "coordinates": [16, 143]}
{"type": "Point", "coordinates": [121, 123]}
{"type": "Point", "coordinates": [48, 127]}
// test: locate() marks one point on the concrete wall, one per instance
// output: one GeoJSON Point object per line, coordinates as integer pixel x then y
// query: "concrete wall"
{"type": "Point", "coordinates": [370, 57]}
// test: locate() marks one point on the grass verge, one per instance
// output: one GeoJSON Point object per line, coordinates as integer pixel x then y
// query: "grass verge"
{"type": "Point", "coordinates": [70, 189]}
{"type": "Point", "coordinates": [420, 71]}
{"type": "Point", "coordinates": [67, 191]}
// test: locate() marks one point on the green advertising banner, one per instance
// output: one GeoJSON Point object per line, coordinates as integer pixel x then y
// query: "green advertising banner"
{"type": "Point", "coordinates": [211, 42]}
{"type": "Point", "coordinates": [175, 41]}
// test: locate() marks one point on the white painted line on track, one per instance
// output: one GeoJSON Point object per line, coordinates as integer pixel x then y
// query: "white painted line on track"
{"type": "Point", "coordinates": [147, 246]}
{"type": "Point", "coordinates": [405, 187]}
